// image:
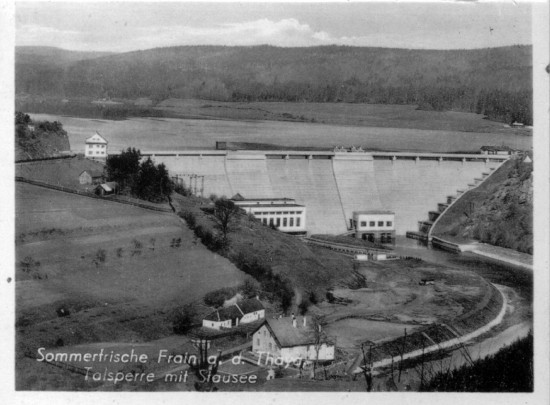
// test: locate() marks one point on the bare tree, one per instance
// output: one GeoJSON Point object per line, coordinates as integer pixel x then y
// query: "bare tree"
{"type": "Point", "coordinates": [225, 213]}
{"type": "Point", "coordinates": [319, 337]}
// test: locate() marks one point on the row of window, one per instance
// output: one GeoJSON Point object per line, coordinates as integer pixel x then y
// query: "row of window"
{"type": "Point", "coordinates": [97, 146]}
{"type": "Point", "coordinates": [373, 223]}
{"type": "Point", "coordinates": [97, 152]}
{"type": "Point", "coordinates": [277, 213]}
{"type": "Point", "coordinates": [277, 221]}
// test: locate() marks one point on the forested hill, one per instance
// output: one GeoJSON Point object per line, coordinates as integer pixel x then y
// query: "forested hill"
{"type": "Point", "coordinates": [493, 81]}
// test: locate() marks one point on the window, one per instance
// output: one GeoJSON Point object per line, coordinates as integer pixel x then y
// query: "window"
{"type": "Point", "coordinates": [257, 213]}
{"type": "Point", "coordinates": [258, 341]}
{"type": "Point", "coordinates": [372, 223]}
{"type": "Point", "coordinates": [278, 222]}
{"type": "Point", "coordinates": [291, 222]}
{"type": "Point", "coordinates": [284, 221]}
{"type": "Point", "coordinates": [388, 223]}
{"type": "Point", "coordinates": [363, 223]}
{"type": "Point", "coordinates": [278, 213]}
{"type": "Point", "coordinates": [298, 221]}
{"type": "Point", "coordinates": [380, 223]}
{"type": "Point", "coordinates": [264, 220]}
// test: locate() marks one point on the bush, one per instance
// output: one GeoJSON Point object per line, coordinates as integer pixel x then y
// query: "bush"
{"type": "Point", "coordinates": [182, 319]}
{"type": "Point", "coordinates": [304, 305]}
{"type": "Point", "coordinates": [216, 298]}
{"type": "Point", "coordinates": [189, 218]}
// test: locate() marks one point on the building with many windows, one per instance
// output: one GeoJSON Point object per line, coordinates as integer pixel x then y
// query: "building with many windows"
{"type": "Point", "coordinates": [282, 213]}
{"type": "Point", "coordinates": [374, 225]}
{"type": "Point", "coordinates": [96, 147]}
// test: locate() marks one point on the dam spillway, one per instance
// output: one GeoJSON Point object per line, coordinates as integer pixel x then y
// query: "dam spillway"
{"type": "Point", "coordinates": [332, 184]}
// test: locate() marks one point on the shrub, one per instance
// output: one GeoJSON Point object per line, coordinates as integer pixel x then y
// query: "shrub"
{"type": "Point", "coordinates": [216, 298]}
{"type": "Point", "coordinates": [304, 305]}
{"type": "Point", "coordinates": [189, 218]}
{"type": "Point", "coordinates": [182, 319]}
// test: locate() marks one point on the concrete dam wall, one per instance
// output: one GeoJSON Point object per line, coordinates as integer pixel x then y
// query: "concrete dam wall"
{"type": "Point", "coordinates": [330, 184]}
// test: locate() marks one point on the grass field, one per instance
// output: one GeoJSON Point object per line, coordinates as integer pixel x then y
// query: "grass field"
{"type": "Point", "coordinates": [63, 172]}
{"type": "Point", "coordinates": [126, 296]}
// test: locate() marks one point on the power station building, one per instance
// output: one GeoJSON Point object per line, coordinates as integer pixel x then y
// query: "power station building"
{"type": "Point", "coordinates": [282, 213]}
{"type": "Point", "coordinates": [374, 225]}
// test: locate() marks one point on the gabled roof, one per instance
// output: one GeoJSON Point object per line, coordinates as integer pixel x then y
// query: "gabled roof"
{"type": "Point", "coordinates": [224, 314]}
{"type": "Point", "coordinates": [235, 311]}
{"type": "Point", "coordinates": [250, 305]}
{"type": "Point", "coordinates": [96, 138]}
{"type": "Point", "coordinates": [93, 173]}
{"type": "Point", "coordinates": [109, 186]}
{"type": "Point", "coordinates": [287, 335]}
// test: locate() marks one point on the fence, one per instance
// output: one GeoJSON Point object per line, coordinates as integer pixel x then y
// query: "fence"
{"type": "Point", "coordinates": [90, 195]}
{"type": "Point", "coordinates": [46, 158]}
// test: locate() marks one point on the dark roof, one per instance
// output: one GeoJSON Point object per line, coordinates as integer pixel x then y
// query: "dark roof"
{"type": "Point", "coordinates": [250, 305]}
{"type": "Point", "coordinates": [287, 335]}
{"type": "Point", "coordinates": [495, 147]}
{"type": "Point", "coordinates": [224, 314]}
{"type": "Point", "coordinates": [93, 173]}
{"type": "Point", "coordinates": [235, 311]}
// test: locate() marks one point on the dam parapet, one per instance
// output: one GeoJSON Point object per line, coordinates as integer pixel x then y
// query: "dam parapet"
{"type": "Point", "coordinates": [333, 184]}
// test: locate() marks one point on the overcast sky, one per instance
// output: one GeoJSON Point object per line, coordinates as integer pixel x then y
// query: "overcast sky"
{"type": "Point", "coordinates": [127, 26]}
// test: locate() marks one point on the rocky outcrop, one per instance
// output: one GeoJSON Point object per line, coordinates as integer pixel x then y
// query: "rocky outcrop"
{"type": "Point", "coordinates": [39, 140]}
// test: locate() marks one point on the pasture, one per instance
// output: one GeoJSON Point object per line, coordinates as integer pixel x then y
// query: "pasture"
{"type": "Point", "coordinates": [118, 270]}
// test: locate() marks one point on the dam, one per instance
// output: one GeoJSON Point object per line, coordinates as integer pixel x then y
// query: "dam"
{"type": "Point", "coordinates": [332, 184]}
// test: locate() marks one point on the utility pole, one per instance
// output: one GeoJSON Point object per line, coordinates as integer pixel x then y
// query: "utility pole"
{"type": "Point", "coordinates": [402, 350]}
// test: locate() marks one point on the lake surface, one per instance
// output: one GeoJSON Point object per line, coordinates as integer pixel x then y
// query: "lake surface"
{"type": "Point", "coordinates": [178, 134]}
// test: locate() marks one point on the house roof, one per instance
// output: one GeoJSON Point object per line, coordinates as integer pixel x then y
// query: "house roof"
{"type": "Point", "coordinates": [287, 335]}
{"type": "Point", "coordinates": [235, 311]}
{"type": "Point", "coordinates": [109, 186]}
{"type": "Point", "coordinates": [96, 138]}
{"type": "Point", "coordinates": [250, 305]}
{"type": "Point", "coordinates": [93, 173]}
{"type": "Point", "coordinates": [224, 314]}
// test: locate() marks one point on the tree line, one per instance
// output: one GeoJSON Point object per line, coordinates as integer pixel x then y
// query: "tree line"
{"type": "Point", "coordinates": [496, 82]}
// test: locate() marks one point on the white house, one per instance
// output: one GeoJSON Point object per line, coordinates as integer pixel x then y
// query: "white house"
{"type": "Point", "coordinates": [291, 339]}
{"type": "Point", "coordinates": [374, 225]}
{"type": "Point", "coordinates": [96, 147]}
{"type": "Point", "coordinates": [242, 312]}
{"type": "Point", "coordinates": [282, 213]}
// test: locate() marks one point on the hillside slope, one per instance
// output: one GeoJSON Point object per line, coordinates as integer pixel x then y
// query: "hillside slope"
{"type": "Point", "coordinates": [498, 212]}
{"type": "Point", "coordinates": [37, 140]}
{"type": "Point", "coordinates": [496, 81]}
